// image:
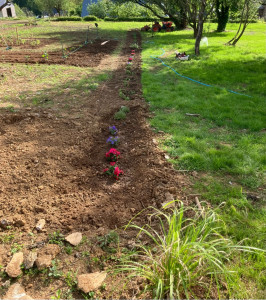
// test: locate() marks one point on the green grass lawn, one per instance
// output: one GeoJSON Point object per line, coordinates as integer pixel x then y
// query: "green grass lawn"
{"type": "Point", "coordinates": [226, 143]}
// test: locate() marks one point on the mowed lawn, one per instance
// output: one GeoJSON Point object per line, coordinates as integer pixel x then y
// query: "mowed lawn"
{"type": "Point", "coordinates": [226, 143]}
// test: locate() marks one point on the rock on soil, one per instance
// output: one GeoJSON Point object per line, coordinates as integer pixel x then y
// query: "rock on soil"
{"type": "Point", "coordinates": [74, 238]}
{"type": "Point", "coordinates": [13, 268]}
{"type": "Point", "coordinates": [40, 225]}
{"type": "Point", "coordinates": [44, 261]}
{"type": "Point", "coordinates": [16, 291]}
{"type": "Point", "coordinates": [90, 282]}
{"type": "Point", "coordinates": [29, 260]}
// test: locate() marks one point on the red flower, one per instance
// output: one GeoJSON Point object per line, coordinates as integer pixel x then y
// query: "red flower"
{"type": "Point", "coordinates": [112, 163]}
{"type": "Point", "coordinates": [105, 170]}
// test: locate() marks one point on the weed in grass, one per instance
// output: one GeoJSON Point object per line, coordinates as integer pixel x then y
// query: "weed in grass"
{"type": "Point", "coordinates": [186, 254]}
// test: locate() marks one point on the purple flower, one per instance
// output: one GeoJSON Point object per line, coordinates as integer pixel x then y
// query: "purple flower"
{"type": "Point", "coordinates": [113, 130]}
{"type": "Point", "coordinates": [113, 140]}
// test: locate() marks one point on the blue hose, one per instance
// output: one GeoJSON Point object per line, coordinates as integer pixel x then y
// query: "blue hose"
{"type": "Point", "coordinates": [196, 81]}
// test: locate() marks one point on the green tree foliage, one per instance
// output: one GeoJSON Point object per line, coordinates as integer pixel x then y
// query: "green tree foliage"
{"type": "Point", "coordinates": [163, 8]}
{"type": "Point", "coordinates": [108, 8]}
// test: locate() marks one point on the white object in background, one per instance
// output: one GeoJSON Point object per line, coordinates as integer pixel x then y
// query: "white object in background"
{"type": "Point", "coordinates": [204, 41]}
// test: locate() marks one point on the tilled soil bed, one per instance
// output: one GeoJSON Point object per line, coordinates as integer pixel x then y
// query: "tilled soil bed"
{"type": "Point", "coordinates": [52, 169]}
{"type": "Point", "coordinates": [82, 55]}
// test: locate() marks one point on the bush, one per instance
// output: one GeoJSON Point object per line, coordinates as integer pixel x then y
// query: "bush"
{"type": "Point", "coordinates": [131, 19]}
{"type": "Point", "coordinates": [68, 19]}
{"type": "Point", "coordinates": [120, 115]}
{"type": "Point", "coordinates": [90, 18]}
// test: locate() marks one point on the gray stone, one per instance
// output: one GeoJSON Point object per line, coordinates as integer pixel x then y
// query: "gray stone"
{"type": "Point", "coordinates": [29, 260]}
{"type": "Point", "coordinates": [91, 282]}
{"type": "Point", "coordinates": [13, 268]}
{"type": "Point", "coordinates": [74, 238]}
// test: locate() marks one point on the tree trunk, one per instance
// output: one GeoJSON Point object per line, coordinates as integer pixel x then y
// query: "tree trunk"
{"type": "Point", "coordinates": [198, 38]}
{"type": "Point", "coordinates": [222, 12]}
{"type": "Point", "coordinates": [200, 26]}
{"type": "Point", "coordinates": [195, 29]}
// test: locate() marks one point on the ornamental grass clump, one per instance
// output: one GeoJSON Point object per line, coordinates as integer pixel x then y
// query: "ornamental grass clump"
{"type": "Point", "coordinates": [185, 256]}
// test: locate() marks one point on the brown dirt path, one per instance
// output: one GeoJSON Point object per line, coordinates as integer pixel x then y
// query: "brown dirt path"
{"type": "Point", "coordinates": [51, 167]}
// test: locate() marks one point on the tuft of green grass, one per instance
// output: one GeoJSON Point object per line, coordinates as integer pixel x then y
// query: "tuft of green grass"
{"type": "Point", "coordinates": [186, 256]}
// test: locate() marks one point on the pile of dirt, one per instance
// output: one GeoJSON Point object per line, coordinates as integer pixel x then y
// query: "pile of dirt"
{"type": "Point", "coordinates": [52, 168]}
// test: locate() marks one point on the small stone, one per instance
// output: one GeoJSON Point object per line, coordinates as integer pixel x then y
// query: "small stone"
{"type": "Point", "coordinates": [5, 222]}
{"type": "Point", "coordinates": [13, 268]}
{"type": "Point", "coordinates": [74, 238]}
{"type": "Point", "coordinates": [44, 261]}
{"type": "Point", "coordinates": [16, 291]}
{"type": "Point", "coordinates": [40, 224]}
{"type": "Point", "coordinates": [6, 284]}
{"type": "Point", "coordinates": [29, 260]}
{"type": "Point", "coordinates": [19, 221]}
{"type": "Point", "coordinates": [132, 210]}
{"type": "Point", "coordinates": [91, 282]}
{"type": "Point", "coordinates": [40, 209]}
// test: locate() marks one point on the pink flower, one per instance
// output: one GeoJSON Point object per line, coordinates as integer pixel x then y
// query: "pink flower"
{"type": "Point", "coordinates": [112, 163]}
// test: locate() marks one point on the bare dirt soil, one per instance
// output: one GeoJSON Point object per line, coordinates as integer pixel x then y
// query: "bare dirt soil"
{"type": "Point", "coordinates": [89, 55]}
{"type": "Point", "coordinates": [51, 167]}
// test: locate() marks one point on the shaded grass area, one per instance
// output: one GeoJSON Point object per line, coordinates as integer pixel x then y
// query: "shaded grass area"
{"type": "Point", "coordinates": [226, 142]}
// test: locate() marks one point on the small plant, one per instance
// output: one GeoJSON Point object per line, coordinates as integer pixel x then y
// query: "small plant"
{"type": "Point", "coordinates": [68, 250]}
{"type": "Point", "coordinates": [113, 130]}
{"type": "Point", "coordinates": [16, 248]}
{"type": "Point", "coordinates": [53, 271]}
{"type": "Point", "coordinates": [7, 238]}
{"type": "Point", "coordinates": [93, 86]}
{"type": "Point", "coordinates": [113, 140]}
{"type": "Point", "coordinates": [122, 95]}
{"type": "Point", "coordinates": [134, 45]}
{"type": "Point", "coordinates": [112, 155]}
{"type": "Point", "coordinates": [45, 55]}
{"type": "Point", "coordinates": [58, 295]}
{"type": "Point", "coordinates": [10, 108]}
{"type": "Point", "coordinates": [113, 171]}
{"type": "Point", "coordinates": [56, 238]}
{"type": "Point", "coordinates": [110, 238]}
{"type": "Point", "coordinates": [125, 109]}
{"type": "Point", "coordinates": [71, 279]}
{"type": "Point", "coordinates": [120, 115]}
